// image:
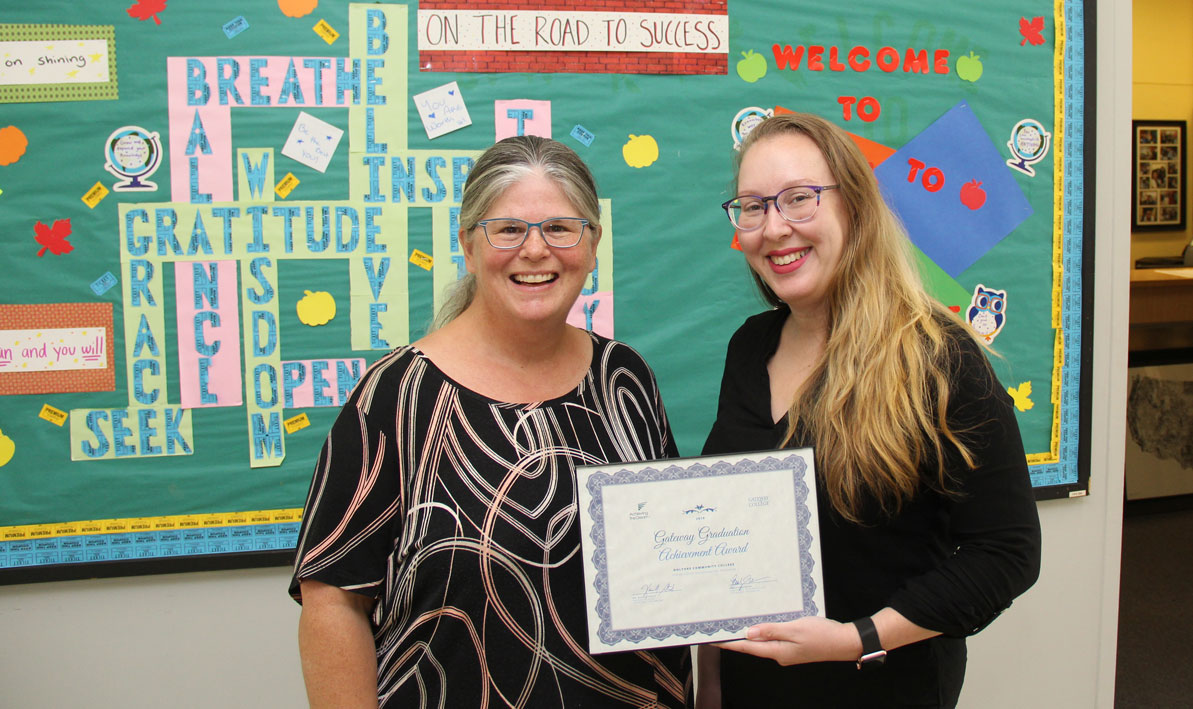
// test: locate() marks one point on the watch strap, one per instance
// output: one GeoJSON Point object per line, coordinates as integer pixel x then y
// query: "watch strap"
{"type": "Point", "coordinates": [872, 653]}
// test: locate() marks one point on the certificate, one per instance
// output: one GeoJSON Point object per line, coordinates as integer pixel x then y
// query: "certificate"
{"type": "Point", "coordinates": [696, 550]}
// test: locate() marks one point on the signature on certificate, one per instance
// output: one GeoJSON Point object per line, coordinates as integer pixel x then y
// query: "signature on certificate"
{"type": "Point", "coordinates": [747, 583]}
{"type": "Point", "coordinates": [653, 592]}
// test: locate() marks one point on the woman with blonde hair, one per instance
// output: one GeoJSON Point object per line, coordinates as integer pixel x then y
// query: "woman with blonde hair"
{"type": "Point", "coordinates": [927, 519]}
{"type": "Point", "coordinates": [439, 559]}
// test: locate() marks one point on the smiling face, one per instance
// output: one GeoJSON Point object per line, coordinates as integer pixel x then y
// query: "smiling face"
{"type": "Point", "coordinates": [534, 283]}
{"type": "Point", "coordinates": [798, 261]}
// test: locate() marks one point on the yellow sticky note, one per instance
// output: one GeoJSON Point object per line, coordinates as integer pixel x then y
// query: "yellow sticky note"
{"type": "Point", "coordinates": [286, 186]}
{"type": "Point", "coordinates": [325, 31]}
{"type": "Point", "coordinates": [423, 261]}
{"type": "Point", "coordinates": [54, 416]}
{"type": "Point", "coordinates": [95, 195]}
{"type": "Point", "coordinates": [296, 423]}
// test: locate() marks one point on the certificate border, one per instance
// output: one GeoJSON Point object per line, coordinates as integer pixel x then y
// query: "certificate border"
{"type": "Point", "coordinates": [596, 510]}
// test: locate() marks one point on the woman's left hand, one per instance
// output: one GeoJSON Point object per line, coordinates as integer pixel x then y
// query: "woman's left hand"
{"type": "Point", "coordinates": [809, 639]}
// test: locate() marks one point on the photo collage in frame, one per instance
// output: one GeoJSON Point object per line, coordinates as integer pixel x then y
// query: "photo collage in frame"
{"type": "Point", "coordinates": [1158, 188]}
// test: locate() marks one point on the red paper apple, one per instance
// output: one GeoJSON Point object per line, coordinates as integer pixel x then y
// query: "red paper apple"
{"type": "Point", "coordinates": [972, 194]}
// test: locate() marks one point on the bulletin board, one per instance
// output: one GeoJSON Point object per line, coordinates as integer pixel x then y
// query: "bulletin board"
{"type": "Point", "coordinates": [214, 216]}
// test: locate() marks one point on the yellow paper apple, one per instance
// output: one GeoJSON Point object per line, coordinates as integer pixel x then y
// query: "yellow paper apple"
{"type": "Point", "coordinates": [316, 308]}
{"type": "Point", "coordinates": [7, 448]}
{"type": "Point", "coordinates": [640, 151]}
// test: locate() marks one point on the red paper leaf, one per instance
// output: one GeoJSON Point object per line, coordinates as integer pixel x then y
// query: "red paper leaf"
{"type": "Point", "coordinates": [1031, 30]}
{"type": "Point", "coordinates": [54, 238]}
{"type": "Point", "coordinates": [144, 9]}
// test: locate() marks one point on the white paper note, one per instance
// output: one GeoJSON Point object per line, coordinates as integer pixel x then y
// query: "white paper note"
{"type": "Point", "coordinates": [312, 142]}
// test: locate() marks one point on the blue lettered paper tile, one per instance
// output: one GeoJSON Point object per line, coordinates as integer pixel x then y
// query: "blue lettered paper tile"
{"type": "Point", "coordinates": [582, 134]}
{"type": "Point", "coordinates": [951, 187]}
{"type": "Point", "coordinates": [103, 284]}
{"type": "Point", "coordinates": [235, 27]}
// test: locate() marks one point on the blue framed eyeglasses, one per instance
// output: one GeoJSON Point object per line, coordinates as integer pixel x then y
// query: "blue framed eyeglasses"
{"type": "Point", "coordinates": [558, 232]}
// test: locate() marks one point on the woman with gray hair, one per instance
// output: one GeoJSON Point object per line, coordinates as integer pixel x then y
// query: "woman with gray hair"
{"type": "Point", "coordinates": [439, 559]}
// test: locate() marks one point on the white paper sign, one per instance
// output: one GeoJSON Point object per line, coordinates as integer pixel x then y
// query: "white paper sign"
{"type": "Point", "coordinates": [442, 110]}
{"type": "Point", "coordinates": [53, 349]}
{"type": "Point", "coordinates": [67, 61]}
{"type": "Point", "coordinates": [571, 31]}
{"type": "Point", "coordinates": [312, 142]}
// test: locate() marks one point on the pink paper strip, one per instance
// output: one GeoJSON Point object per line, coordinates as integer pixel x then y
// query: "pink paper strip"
{"type": "Point", "coordinates": [534, 118]}
{"type": "Point", "coordinates": [194, 89]}
{"type": "Point", "coordinates": [209, 372]}
{"type": "Point", "coordinates": [593, 312]}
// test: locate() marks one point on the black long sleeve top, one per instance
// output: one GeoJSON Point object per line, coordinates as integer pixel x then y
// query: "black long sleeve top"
{"type": "Point", "coordinates": [947, 562]}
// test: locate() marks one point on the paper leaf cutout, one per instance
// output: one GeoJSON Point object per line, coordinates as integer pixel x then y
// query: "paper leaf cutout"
{"type": "Point", "coordinates": [297, 8]}
{"type": "Point", "coordinates": [12, 144]}
{"type": "Point", "coordinates": [1032, 30]}
{"type": "Point", "coordinates": [1021, 395]}
{"type": "Point", "coordinates": [144, 9]}
{"type": "Point", "coordinates": [54, 238]}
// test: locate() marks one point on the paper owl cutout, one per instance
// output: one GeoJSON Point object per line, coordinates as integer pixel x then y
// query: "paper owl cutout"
{"type": "Point", "coordinates": [987, 312]}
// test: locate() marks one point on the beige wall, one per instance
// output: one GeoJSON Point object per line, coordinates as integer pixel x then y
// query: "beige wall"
{"type": "Point", "coordinates": [1162, 82]}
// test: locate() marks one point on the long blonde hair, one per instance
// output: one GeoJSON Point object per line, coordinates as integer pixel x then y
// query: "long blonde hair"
{"type": "Point", "coordinates": [875, 403]}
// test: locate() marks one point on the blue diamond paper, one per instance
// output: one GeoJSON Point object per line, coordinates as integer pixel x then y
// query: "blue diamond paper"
{"type": "Point", "coordinates": [950, 233]}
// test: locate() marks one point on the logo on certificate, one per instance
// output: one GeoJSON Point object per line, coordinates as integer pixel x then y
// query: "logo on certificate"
{"type": "Point", "coordinates": [699, 511]}
{"type": "Point", "coordinates": [640, 514]}
{"type": "Point", "coordinates": [758, 501]}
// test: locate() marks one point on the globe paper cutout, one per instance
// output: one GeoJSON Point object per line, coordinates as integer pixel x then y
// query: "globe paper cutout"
{"type": "Point", "coordinates": [133, 153]}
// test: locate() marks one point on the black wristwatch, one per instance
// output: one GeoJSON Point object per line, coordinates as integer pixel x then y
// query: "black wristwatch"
{"type": "Point", "coordinates": [872, 653]}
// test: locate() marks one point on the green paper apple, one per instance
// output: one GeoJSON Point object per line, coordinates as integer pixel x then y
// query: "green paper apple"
{"type": "Point", "coordinates": [969, 68]}
{"type": "Point", "coordinates": [752, 66]}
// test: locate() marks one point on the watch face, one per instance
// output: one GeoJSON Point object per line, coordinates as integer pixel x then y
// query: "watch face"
{"type": "Point", "coordinates": [871, 660]}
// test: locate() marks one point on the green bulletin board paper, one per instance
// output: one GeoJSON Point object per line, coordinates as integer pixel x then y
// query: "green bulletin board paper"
{"type": "Point", "coordinates": [388, 190]}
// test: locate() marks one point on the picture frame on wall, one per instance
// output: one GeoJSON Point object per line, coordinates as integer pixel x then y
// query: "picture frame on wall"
{"type": "Point", "coordinates": [1158, 175]}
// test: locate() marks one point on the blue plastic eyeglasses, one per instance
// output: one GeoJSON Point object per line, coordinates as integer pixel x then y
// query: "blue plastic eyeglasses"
{"type": "Point", "coordinates": [558, 232]}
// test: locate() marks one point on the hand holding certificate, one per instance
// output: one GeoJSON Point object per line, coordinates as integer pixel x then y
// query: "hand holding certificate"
{"type": "Point", "coordinates": [698, 549]}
